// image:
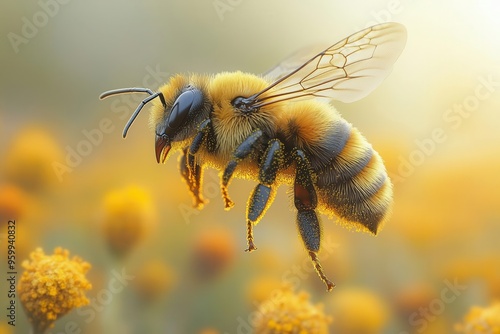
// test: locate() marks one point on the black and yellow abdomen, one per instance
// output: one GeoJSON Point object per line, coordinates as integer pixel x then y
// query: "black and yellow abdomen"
{"type": "Point", "coordinates": [351, 180]}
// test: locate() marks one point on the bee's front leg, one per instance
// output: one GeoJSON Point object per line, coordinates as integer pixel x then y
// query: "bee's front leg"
{"type": "Point", "coordinates": [190, 170]}
{"type": "Point", "coordinates": [305, 200]}
{"type": "Point", "coordinates": [196, 144]}
{"type": "Point", "coordinates": [193, 177]}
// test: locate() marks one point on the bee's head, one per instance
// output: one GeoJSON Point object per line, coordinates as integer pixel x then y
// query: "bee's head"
{"type": "Point", "coordinates": [173, 120]}
{"type": "Point", "coordinates": [177, 120]}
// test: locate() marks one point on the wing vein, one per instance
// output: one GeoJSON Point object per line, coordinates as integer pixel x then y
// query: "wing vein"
{"type": "Point", "coordinates": [346, 71]}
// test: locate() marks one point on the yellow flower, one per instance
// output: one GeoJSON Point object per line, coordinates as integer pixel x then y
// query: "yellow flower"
{"type": "Point", "coordinates": [30, 157]}
{"type": "Point", "coordinates": [127, 218]}
{"type": "Point", "coordinates": [261, 288]}
{"type": "Point", "coordinates": [291, 313]}
{"type": "Point", "coordinates": [358, 311]}
{"type": "Point", "coordinates": [51, 286]}
{"type": "Point", "coordinates": [154, 280]}
{"type": "Point", "coordinates": [481, 320]}
{"type": "Point", "coordinates": [484, 267]}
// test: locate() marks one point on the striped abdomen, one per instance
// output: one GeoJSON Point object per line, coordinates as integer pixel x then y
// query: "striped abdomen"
{"type": "Point", "coordinates": [352, 183]}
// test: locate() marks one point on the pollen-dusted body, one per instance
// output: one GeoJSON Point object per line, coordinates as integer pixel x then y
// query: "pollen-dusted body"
{"type": "Point", "coordinates": [262, 129]}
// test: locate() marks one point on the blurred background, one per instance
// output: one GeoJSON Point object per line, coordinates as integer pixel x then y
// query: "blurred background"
{"type": "Point", "coordinates": [70, 180]}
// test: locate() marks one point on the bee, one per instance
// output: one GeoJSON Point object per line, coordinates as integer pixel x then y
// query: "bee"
{"type": "Point", "coordinates": [275, 129]}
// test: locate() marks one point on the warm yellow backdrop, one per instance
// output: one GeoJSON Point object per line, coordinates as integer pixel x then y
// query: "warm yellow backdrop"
{"type": "Point", "coordinates": [70, 180]}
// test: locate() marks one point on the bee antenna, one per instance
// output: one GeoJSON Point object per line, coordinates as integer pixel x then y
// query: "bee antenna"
{"type": "Point", "coordinates": [152, 96]}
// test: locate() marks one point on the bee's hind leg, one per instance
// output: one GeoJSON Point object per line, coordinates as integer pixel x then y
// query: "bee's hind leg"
{"type": "Point", "coordinates": [305, 200]}
{"type": "Point", "coordinates": [261, 198]}
{"type": "Point", "coordinates": [241, 152]}
{"type": "Point", "coordinates": [193, 177]}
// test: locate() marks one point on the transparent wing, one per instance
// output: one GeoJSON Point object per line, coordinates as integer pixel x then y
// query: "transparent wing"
{"type": "Point", "coordinates": [346, 71]}
{"type": "Point", "coordinates": [292, 62]}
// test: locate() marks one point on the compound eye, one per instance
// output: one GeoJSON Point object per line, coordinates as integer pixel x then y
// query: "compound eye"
{"type": "Point", "coordinates": [187, 102]}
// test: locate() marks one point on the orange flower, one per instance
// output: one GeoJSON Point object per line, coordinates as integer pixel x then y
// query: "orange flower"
{"type": "Point", "coordinates": [213, 253]}
{"type": "Point", "coordinates": [209, 331]}
{"type": "Point", "coordinates": [13, 202]}
{"type": "Point", "coordinates": [5, 328]}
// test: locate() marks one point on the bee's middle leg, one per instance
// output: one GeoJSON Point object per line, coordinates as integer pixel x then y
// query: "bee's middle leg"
{"type": "Point", "coordinates": [240, 153]}
{"type": "Point", "coordinates": [262, 196]}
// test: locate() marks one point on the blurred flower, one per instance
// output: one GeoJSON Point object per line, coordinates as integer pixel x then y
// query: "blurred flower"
{"type": "Point", "coordinates": [291, 313]}
{"type": "Point", "coordinates": [209, 331]}
{"type": "Point", "coordinates": [13, 202]}
{"type": "Point", "coordinates": [51, 286]}
{"type": "Point", "coordinates": [414, 297]}
{"type": "Point", "coordinates": [5, 328]}
{"type": "Point", "coordinates": [213, 252]}
{"type": "Point", "coordinates": [17, 205]}
{"type": "Point", "coordinates": [477, 266]}
{"type": "Point", "coordinates": [358, 311]}
{"type": "Point", "coordinates": [408, 304]}
{"type": "Point", "coordinates": [261, 287]}
{"type": "Point", "coordinates": [127, 218]}
{"type": "Point", "coordinates": [153, 280]}
{"type": "Point", "coordinates": [481, 320]}
{"type": "Point", "coordinates": [29, 160]}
